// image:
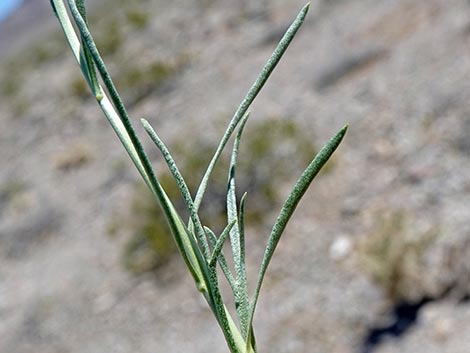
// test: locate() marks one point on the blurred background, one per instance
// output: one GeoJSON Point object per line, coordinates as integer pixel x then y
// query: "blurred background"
{"type": "Point", "coordinates": [377, 256]}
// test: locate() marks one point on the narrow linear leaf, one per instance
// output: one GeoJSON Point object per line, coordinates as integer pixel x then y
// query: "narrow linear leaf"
{"type": "Point", "coordinates": [88, 41]}
{"type": "Point", "coordinates": [105, 104]}
{"type": "Point", "coordinates": [133, 146]}
{"type": "Point", "coordinates": [180, 182]}
{"type": "Point", "coordinates": [128, 137]}
{"type": "Point", "coordinates": [241, 295]}
{"type": "Point", "coordinates": [76, 46]}
{"type": "Point", "coordinates": [64, 20]}
{"type": "Point", "coordinates": [289, 206]}
{"type": "Point", "coordinates": [251, 342]}
{"type": "Point", "coordinates": [250, 97]}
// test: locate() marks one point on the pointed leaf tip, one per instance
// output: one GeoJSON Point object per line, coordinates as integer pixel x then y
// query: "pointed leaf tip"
{"type": "Point", "coordinates": [342, 132]}
{"type": "Point", "coordinates": [305, 8]}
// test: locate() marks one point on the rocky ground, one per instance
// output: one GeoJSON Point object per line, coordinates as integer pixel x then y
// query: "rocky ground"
{"type": "Point", "coordinates": [376, 259]}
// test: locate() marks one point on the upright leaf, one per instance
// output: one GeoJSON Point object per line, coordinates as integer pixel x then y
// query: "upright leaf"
{"type": "Point", "coordinates": [242, 302]}
{"type": "Point", "coordinates": [289, 206]}
{"type": "Point", "coordinates": [201, 236]}
{"type": "Point", "coordinates": [250, 97]}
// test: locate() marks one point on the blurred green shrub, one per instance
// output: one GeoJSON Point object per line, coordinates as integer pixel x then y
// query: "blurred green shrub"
{"type": "Point", "coordinates": [393, 254]}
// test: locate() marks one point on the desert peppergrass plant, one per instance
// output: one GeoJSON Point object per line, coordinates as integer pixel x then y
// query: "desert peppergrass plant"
{"type": "Point", "coordinates": [201, 249]}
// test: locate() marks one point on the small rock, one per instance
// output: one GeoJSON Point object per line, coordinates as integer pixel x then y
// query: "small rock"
{"type": "Point", "coordinates": [340, 248]}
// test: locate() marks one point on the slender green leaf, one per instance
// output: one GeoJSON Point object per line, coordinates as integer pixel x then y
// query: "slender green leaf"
{"type": "Point", "coordinates": [64, 20]}
{"type": "Point", "coordinates": [147, 171]}
{"type": "Point", "coordinates": [134, 147]}
{"type": "Point", "coordinates": [201, 236]}
{"type": "Point", "coordinates": [128, 137]}
{"type": "Point", "coordinates": [251, 343]}
{"type": "Point", "coordinates": [289, 206]}
{"type": "Point", "coordinates": [106, 106]}
{"type": "Point", "coordinates": [250, 97]}
{"type": "Point", "coordinates": [241, 295]}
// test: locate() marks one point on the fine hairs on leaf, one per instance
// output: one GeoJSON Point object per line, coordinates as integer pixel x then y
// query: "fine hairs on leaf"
{"type": "Point", "coordinates": [202, 251]}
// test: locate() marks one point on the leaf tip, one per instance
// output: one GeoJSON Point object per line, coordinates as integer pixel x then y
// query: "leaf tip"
{"type": "Point", "coordinates": [340, 134]}
{"type": "Point", "coordinates": [306, 7]}
{"type": "Point", "coordinates": [146, 125]}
